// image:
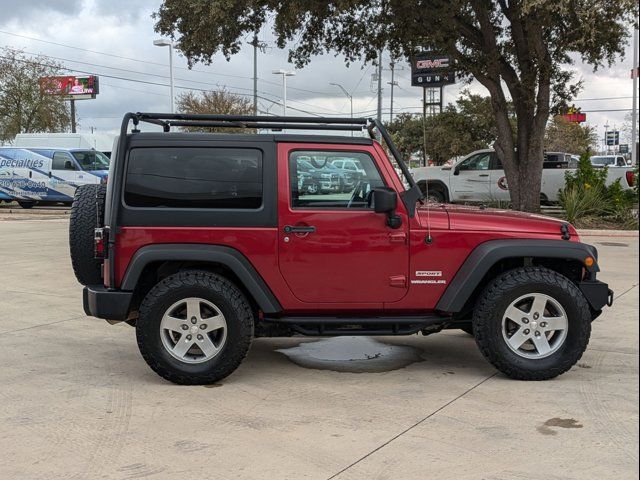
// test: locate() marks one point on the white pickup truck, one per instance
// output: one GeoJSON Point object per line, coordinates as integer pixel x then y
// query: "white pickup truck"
{"type": "Point", "coordinates": [479, 177]}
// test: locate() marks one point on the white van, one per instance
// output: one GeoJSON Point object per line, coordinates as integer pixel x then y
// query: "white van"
{"type": "Point", "coordinates": [101, 142]}
{"type": "Point", "coordinates": [47, 176]}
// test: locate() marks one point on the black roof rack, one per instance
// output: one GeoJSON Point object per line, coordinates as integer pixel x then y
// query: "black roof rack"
{"type": "Point", "coordinates": [168, 120]}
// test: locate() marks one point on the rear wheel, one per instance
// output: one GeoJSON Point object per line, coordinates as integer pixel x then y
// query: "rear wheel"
{"type": "Point", "coordinates": [194, 327]}
{"type": "Point", "coordinates": [87, 214]}
{"type": "Point", "coordinates": [532, 323]}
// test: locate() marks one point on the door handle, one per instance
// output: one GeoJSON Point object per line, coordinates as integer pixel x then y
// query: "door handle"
{"type": "Point", "coordinates": [299, 229]}
{"type": "Point", "coordinates": [484, 175]}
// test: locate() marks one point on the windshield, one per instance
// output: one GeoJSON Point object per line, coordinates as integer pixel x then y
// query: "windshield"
{"type": "Point", "coordinates": [602, 161]}
{"type": "Point", "coordinates": [91, 160]}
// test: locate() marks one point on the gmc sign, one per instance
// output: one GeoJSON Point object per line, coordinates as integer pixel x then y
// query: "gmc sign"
{"type": "Point", "coordinates": [431, 70]}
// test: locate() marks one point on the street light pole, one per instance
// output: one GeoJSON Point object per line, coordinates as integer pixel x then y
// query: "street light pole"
{"type": "Point", "coordinates": [634, 110]}
{"type": "Point", "coordinates": [348, 95]}
{"type": "Point", "coordinates": [285, 74]}
{"type": "Point", "coordinates": [162, 42]}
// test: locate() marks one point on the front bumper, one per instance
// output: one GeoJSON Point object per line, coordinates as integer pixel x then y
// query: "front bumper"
{"type": "Point", "coordinates": [597, 293]}
{"type": "Point", "coordinates": [101, 302]}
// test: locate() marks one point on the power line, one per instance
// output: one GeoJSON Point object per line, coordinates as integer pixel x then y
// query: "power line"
{"type": "Point", "coordinates": [165, 76]}
{"type": "Point", "coordinates": [146, 82]}
{"type": "Point", "coordinates": [148, 62]}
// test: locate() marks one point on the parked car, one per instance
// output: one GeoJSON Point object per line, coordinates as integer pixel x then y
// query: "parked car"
{"type": "Point", "coordinates": [601, 161]}
{"type": "Point", "coordinates": [319, 180]}
{"type": "Point", "coordinates": [348, 164]}
{"type": "Point", "coordinates": [480, 177]}
{"type": "Point", "coordinates": [201, 259]}
{"type": "Point", "coordinates": [47, 176]}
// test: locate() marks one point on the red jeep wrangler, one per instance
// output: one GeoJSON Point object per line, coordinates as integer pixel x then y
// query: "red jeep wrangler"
{"type": "Point", "coordinates": [205, 241]}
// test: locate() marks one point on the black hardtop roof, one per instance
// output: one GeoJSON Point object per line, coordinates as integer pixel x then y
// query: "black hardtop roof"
{"type": "Point", "coordinates": [169, 137]}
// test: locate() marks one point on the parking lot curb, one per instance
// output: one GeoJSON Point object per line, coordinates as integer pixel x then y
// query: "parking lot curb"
{"type": "Point", "coordinates": [608, 233]}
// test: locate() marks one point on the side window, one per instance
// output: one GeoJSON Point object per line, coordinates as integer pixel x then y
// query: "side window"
{"type": "Point", "coordinates": [319, 180]}
{"type": "Point", "coordinates": [59, 162]}
{"type": "Point", "coordinates": [229, 178]}
{"type": "Point", "coordinates": [477, 162]}
{"type": "Point", "coordinates": [496, 163]}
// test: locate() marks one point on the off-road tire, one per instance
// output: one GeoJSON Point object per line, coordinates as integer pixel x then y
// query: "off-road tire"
{"type": "Point", "coordinates": [218, 290]}
{"type": "Point", "coordinates": [498, 295]}
{"type": "Point", "coordinates": [27, 205]}
{"type": "Point", "coordinates": [468, 329]}
{"type": "Point", "coordinates": [87, 214]}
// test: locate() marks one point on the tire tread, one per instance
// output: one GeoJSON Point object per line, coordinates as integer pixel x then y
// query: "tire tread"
{"type": "Point", "coordinates": [495, 291]}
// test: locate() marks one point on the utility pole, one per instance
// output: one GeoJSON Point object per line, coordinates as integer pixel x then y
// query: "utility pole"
{"type": "Point", "coordinates": [257, 44]}
{"type": "Point", "coordinates": [379, 114]}
{"type": "Point", "coordinates": [392, 83]}
{"type": "Point", "coordinates": [634, 109]}
{"type": "Point", "coordinates": [73, 115]}
{"type": "Point", "coordinates": [255, 74]}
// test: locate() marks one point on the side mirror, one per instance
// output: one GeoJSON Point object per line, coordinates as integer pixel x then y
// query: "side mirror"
{"type": "Point", "coordinates": [385, 200]}
{"type": "Point", "coordinates": [456, 170]}
{"type": "Point", "coordinates": [68, 165]}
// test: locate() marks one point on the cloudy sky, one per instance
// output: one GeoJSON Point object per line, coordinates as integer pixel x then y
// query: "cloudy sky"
{"type": "Point", "coordinates": [113, 39]}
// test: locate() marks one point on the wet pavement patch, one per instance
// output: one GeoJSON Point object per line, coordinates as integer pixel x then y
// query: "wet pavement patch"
{"type": "Point", "coordinates": [546, 429]}
{"type": "Point", "coordinates": [352, 354]}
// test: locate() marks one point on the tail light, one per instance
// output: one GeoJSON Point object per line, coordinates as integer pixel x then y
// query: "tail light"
{"type": "Point", "coordinates": [631, 178]}
{"type": "Point", "coordinates": [100, 239]}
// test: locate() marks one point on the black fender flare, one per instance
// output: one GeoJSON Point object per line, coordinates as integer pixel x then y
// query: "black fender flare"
{"type": "Point", "coordinates": [227, 256]}
{"type": "Point", "coordinates": [487, 254]}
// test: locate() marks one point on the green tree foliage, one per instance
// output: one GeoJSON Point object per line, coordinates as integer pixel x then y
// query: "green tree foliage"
{"type": "Point", "coordinates": [214, 102]}
{"type": "Point", "coordinates": [24, 106]}
{"type": "Point", "coordinates": [461, 128]}
{"type": "Point", "coordinates": [514, 48]}
{"type": "Point", "coordinates": [565, 136]}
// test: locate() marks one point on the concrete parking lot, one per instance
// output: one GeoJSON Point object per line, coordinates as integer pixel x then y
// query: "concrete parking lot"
{"type": "Point", "coordinates": [77, 400]}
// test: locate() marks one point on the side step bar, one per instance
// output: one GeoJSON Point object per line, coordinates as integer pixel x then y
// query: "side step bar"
{"type": "Point", "coordinates": [392, 325]}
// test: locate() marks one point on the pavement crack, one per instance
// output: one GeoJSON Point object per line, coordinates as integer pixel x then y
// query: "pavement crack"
{"type": "Point", "coordinates": [42, 325]}
{"type": "Point", "coordinates": [437, 410]}
{"type": "Point", "coordinates": [626, 291]}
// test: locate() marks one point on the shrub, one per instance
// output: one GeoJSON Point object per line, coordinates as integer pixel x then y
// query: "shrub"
{"type": "Point", "coordinates": [586, 195]}
{"type": "Point", "coordinates": [582, 203]}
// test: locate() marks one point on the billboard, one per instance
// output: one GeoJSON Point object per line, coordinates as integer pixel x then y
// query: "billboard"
{"type": "Point", "coordinates": [431, 70]}
{"type": "Point", "coordinates": [71, 86]}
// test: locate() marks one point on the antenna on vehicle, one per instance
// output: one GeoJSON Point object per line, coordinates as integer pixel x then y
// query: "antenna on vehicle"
{"type": "Point", "coordinates": [429, 239]}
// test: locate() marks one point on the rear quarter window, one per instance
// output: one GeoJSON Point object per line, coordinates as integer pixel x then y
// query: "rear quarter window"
{"type": "Point", "coordinates": [208, 178]}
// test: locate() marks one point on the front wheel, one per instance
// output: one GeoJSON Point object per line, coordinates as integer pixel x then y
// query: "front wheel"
{"type": "Point", "coordinates": [194, 327]}
{"type": "Point", "coordinates": [532, 323]}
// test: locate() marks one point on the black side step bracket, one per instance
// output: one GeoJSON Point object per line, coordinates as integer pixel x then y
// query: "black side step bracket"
{"type": "Point", "coordinates": [393, 325]}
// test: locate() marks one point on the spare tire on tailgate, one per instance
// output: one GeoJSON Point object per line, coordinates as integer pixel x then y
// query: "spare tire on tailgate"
{"type": "Point", "coordinates": [87, 214]}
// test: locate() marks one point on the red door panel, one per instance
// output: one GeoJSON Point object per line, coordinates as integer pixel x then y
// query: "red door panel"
{"type": "Point", "coordinates": [352, 256]}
